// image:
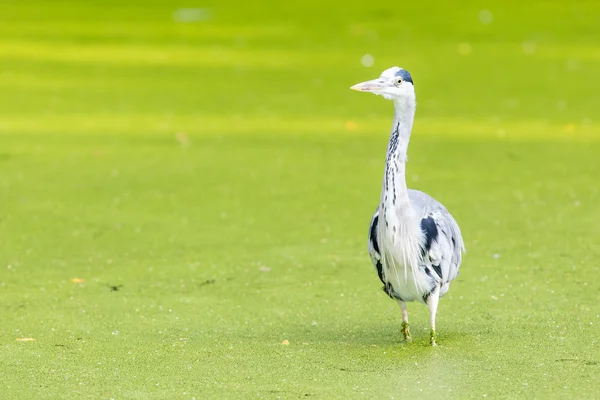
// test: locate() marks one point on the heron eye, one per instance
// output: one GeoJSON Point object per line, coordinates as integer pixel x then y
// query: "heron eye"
{"type": "Point", "coordinates": [399, 82]}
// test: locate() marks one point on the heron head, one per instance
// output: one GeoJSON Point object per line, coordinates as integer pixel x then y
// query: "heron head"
{"type": "Point", "coordinates": [394, 84]}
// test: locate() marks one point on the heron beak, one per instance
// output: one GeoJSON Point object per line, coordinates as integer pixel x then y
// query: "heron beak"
{"type": "Point", "coordinates": [372, 86]}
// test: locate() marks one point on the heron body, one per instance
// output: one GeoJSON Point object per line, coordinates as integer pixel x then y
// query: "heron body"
{"type": "Point", "coordinates": [414, 242]}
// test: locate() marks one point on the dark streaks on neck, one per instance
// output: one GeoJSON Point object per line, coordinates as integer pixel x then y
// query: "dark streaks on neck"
{"type": "Point", "coordinates": [392, 146]}
{"type": "Point", "coordinates": [395, 137]}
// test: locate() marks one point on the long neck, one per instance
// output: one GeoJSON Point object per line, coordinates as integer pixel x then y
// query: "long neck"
{"type": "Point", "coordinates": [394, 193]}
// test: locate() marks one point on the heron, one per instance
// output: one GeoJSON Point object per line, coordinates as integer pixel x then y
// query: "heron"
{"type": "Point", "coordinates": [414, 242]}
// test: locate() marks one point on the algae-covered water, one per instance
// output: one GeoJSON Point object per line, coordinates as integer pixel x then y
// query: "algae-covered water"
{"type": "Point", "coordinates": [186, 186]}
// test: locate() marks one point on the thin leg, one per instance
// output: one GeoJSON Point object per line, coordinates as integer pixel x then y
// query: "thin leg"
{"type": "Point", "coordinates": [432, 303]}
{"type": "Point", "coordinates": [405, 329]}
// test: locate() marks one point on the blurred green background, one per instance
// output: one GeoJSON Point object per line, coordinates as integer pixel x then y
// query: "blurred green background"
{"type": "Point", "coordinates": [184, 186]}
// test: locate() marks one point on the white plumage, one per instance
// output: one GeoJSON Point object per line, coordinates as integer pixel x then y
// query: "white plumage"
{"type": "Point", "coordinates": [414, 243]}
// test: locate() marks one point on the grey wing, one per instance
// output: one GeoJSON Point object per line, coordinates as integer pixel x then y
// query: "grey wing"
{"type": "Point", "coordinates": [443, 245]}
{"type": "Point", "coordinates": [374, 247]}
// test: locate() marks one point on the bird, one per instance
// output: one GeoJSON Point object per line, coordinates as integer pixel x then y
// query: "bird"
{"type": "Point", "coordinates": [415, 244]}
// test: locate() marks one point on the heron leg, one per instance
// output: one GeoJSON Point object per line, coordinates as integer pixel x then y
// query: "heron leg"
{"type": "Point", "coordinates": [405, 329]}
{"type": "Point", "coordinates": [432, 303]}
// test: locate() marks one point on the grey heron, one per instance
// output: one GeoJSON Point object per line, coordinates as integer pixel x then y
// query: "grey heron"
{"type": "Point", "coordinates": [414, 242]}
